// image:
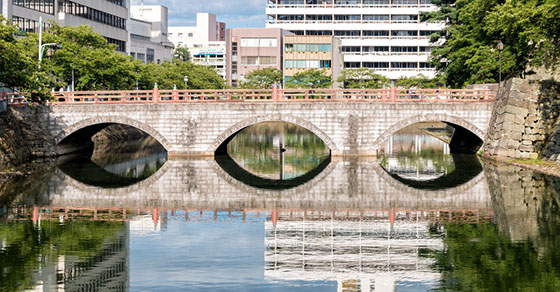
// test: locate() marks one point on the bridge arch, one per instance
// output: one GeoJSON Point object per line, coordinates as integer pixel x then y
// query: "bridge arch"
{"type": "Point", "coordinates": [233, 130]}
{"type": "Point", "coordinates": [93, 125]}
{"type": "Point", "coordinates": [449, 119]}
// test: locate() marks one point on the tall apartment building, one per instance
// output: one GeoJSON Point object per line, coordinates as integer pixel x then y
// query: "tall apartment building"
{"type": "Point", "coordinates": [205, 41]}
{"type": "Point", "coordinates": [312, 52]}
{"type": "Point", "coordinates": [385, 35]}
{"type": "Point", "coordinates": [107, 17]}
{"type": "Point", "coordinates": [249, 49]}
{"type": "Point", "coordinates": [148, 29]}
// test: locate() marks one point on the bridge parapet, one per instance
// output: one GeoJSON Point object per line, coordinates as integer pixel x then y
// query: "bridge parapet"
{"type": "Point", "coordinates": [275, 95]}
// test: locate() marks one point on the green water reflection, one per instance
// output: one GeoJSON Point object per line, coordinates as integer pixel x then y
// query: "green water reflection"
{"type": "Point", "coordinates": [257, 149]}
{"type": "Point", "coordinates": [424, 162]}
{"type": "Point", "coordinates": [29, 251]}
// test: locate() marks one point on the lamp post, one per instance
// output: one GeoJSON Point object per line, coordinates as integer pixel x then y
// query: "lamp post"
{"type": "Point", "coordinates": [50, 54]}
{"type": "Point", "coordinates": [500, 49]}
{"type": "Point", "coordinates": [186, 79]}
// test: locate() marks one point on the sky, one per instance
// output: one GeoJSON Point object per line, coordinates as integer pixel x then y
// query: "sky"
{"type": "Point", "coordinates": [235, 13]}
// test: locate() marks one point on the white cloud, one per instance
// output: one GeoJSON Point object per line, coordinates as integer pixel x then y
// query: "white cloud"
{"type": "Point", "coordinates": [235, 13]}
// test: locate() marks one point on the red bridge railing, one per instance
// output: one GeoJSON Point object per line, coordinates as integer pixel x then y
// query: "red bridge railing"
{"type": "Point", "coordinates": [264, 95]}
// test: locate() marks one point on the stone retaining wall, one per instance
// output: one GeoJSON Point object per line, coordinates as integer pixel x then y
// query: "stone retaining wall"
{"type": "Point", "coordinates": [24, 136]}
{"type": "Point", "coordinates": [524, 123]}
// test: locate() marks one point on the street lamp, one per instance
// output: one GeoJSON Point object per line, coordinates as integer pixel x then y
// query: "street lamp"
{"type": "Point", "coordinates": [186, 79]}
{"type": "Point", "coordinates": [50, 54]}
{"type": "Point", "coordinates": [500, 47]}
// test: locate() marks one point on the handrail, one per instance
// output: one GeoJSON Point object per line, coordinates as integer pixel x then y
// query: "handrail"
{"type": "Point", "coordinates": [271, 95]}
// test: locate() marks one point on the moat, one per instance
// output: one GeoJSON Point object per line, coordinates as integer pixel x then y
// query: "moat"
{"type": "Point", "coordinates": [279, 213]}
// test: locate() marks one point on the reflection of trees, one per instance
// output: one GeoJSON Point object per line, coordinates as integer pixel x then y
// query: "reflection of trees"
{"type": "Point", "coordinates": [24, 243]}
{"type": "Point", "coordinates": [479, 258]}
{"type": "Point", "coordinates": [257, 149]}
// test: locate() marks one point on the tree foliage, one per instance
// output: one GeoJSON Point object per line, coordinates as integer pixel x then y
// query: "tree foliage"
{"type": "Point", "coordinates": [182, 54]}
{"type": "Point", "coordinates": [420, 81]}
{"type": "Point", "coordinates": [479, 258]}
{"type": "Point", "coordinates": [311, 78]}
{"type": "Point", "coordinates": [362, 78]}
{"type": "Point", "coordinates": [264, 78]}
{"type": "Point", "coordinates": [529, 30]}
{"type": "Point", "coordinates": [95, 63]}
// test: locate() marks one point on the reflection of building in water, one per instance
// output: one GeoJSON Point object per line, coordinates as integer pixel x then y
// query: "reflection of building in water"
{"type": "Point", "coordinates": [106, 270]}
{"type": "Point", "coordinates": [369, 251]}
{"type": "Point", "coordinates": [414, 143]}
{"type": "Point", "coordinates": [421, 166]}
{"type": "Point", "coordinates": [418, 169]}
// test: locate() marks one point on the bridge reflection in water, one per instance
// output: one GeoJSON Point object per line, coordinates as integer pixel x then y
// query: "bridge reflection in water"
{"type": "Point", "coordinates": [380, 247]}
{"type": "Point", "coordinates": [351, 224]}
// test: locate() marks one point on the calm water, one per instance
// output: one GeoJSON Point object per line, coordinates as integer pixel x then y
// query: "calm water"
{"type": "Point", "coordinates": [278, 214]}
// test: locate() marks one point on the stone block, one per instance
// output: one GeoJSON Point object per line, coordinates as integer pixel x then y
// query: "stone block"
{"type": "Point", "coordinates": [527, 148]}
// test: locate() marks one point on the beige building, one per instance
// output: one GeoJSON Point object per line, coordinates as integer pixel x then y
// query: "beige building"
{"type": "Point", "coordinates": [249, 49]}
{"type": "Point", "coordinates": [302, 53]}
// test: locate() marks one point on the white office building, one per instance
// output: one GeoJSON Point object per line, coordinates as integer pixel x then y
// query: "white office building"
{"type": "Point", "coordinates": [205, 41]}
{"type": "Point", "coordinates": [149, 34]}
{"type": "Point", "coordinates": [107, 17]}
{"type": "Point", "coordinates": [385, 35]}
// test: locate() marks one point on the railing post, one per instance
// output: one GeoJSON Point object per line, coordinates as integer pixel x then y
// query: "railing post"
{"type": "Point", "coordinates": [175, 94]}
{"type": "Point", "coordinates": [275, 93]}
{"type": "Point", "coordinates": [393, 94]}
{"type": "Point", "coordinates": [155, 94]}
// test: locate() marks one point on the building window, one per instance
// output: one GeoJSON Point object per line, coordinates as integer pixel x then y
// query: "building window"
{"type": "Point", "coordinates": [190, 34]}
{"type": "Point", "coordinates": [45, 6]}
{"type": "Point", "coordinates": [307, 64]}
{"type": "Point", "coordinates": [150, 55]}
{"type": "Point", "coordinates": [351, 65]}
{"type": "Point", "coordinates": [259, 42]}
{"type": "Point", "coordinates": [118, 2]}
{"type": "Point", "coordinates": [86, 12]}
{"type": "Point", "coordinates": [258, 60]}
{"type": "Point", "coordinates": [308, 48]}
{"type": "Point", "coordinates": [28, 25]}
{"type": "Point", "coordinates": [121, 45]}
{"type": "Point", "coordinates": [404, 65]}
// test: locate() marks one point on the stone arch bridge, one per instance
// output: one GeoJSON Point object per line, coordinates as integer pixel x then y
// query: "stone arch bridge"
{"type": "Point", "coordinates": [197, 123]}
{"type": "Point", "coordinates": [201, 128]}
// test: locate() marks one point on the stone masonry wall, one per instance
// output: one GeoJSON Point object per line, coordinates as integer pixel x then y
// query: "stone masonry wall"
{"type": "Point", "coordinates": [524, 123]}
{"type": "Point", "coordinates": [13, 149]}
{"type": "Point", "coordinates": [24, 135]}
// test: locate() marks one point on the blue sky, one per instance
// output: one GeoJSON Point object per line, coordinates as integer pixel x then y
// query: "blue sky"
{"type": "Point", "coordinates": [235, 13]}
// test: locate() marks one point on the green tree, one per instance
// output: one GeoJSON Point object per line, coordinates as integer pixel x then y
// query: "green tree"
{"type": "Point", "coordinates": [264, 78]}
{"type": "Point", "coordinates": [529, 30]}
{"type": "Point", "coordinates": [18, 65]}
{"type": "Point", "coordinates": [168, 74]}
{"type": "Point", "coordinates": [96, 64]}
{"type": "Point", "coordinates": [182, 54]}
{"type": "Point", "coordinates": [362, 78]}
{"type": "Point", "coordinates": [311, 78]}
{"type": "Point", "coordinates": [420, 81]}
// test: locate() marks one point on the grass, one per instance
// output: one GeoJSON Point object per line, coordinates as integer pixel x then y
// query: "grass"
{"type": "Point", "coordinates": [534, 162]}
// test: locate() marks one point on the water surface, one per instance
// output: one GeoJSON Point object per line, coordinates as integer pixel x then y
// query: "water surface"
{"type": "Point", "coordinates": [416, 219]}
